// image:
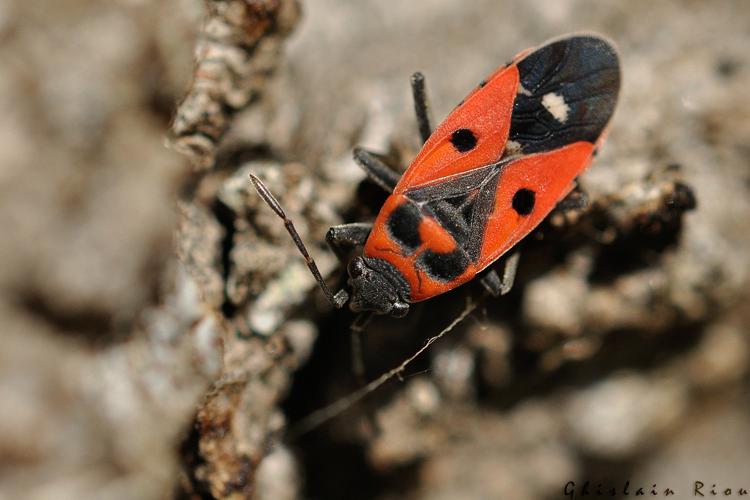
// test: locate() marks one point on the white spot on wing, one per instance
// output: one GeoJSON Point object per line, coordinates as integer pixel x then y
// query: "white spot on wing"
{"type": "Point", "coordinates": [556, 105]}
{"type": "Point", "coordinates": [512, 148]}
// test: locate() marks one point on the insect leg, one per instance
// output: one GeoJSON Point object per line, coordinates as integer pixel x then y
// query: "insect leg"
{"type": "Point", "coordinates": [344, 237]}
{"type": "Point", "coordinates": [421, 105]}
{"type": "Point", "coordinates": [491, 282]}
{"type": "Point", "coordinates": [577, 199]}
{"type": "Point", "coordinates": [376, 170]}
{"type": "Point", "coordinates": [497, 286]}
{"type": "Point", "coordinates": [358, 331]}
{"type": "Point", "coordinates": [339, 299]}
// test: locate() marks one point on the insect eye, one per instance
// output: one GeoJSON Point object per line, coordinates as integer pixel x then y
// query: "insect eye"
{"type": "Point", "coordinates": [356, 268]}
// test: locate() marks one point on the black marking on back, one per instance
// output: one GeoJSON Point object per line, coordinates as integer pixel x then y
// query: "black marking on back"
{"type": "Point", "coordinates": [483, 206]}
{"type": "Point", "coordinates": [584, 71]}
{"type": "Point", "coordinates": [444, 267]}
{"type": "Point", "coordinates": [454, 214]}
{"type": "Point", "coordinates": [462, 204]}
{"type": "Point", "coordinates": [403, 226]}
{"type": "Point", "coordinates": [463, 140]}
{"type": "Point", "coordinates": [524, 201]}
{"type": "Point", "coordinates": [456, 185]}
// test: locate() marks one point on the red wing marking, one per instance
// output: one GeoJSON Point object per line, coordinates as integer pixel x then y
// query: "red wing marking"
{"type": "Point", "coordinates": [486, 113]}
{"type": "Point", "coordinates": [550, 176]}
{"type": "Point", "coordinates": [433, 238]}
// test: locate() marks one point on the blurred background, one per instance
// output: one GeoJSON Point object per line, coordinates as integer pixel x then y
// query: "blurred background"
{"type": "Point", "coordinates": [159, 333]}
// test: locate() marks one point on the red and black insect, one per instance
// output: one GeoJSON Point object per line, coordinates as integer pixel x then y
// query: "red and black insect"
{"type": "Point", "coordinates": [484, 179]}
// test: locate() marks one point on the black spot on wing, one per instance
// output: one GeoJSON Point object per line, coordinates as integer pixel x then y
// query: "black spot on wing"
{"type": "Point", "coordinates": [584, 72]}
{"type": "Point", "coordinates": [463, 140]}
{"type": "Point", "coordinates": [444, 267]}
{"type": "Point", "coordinates": [524, 201]}
{"type": "Point", "coordinates": [403, 226]}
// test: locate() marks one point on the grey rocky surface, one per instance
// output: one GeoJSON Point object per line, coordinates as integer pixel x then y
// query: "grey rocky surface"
{"type": "Point", "coordinates": [160, 333]}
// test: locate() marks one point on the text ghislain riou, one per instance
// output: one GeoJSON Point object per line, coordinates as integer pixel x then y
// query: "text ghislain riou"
{"type": "Point", "coordinates": [698, 489]}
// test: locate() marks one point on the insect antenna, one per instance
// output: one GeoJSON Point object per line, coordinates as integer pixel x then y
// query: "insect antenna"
{"type": "Point", "coordinates": [339, 298]}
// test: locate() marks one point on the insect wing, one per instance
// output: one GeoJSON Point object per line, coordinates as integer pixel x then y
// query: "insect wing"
{"type": "Point", "coordinates": [473, 135]}
{"type": "Point", "coordinates": [567, 93]}
{"type": "Point", "coordinates": [526, 193]}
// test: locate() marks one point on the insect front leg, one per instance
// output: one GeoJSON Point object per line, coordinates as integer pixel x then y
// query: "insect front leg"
{"type": "Point", "coordinates": [380, 173]}
{"type": "Point", "coordinates": [357, 330]}
{"type": "Point", "coordinates": [498, 286]}
{"type": "Point", "coordinates": [342, 238]}
{"type": "Point", "coordinates": [421, 105]}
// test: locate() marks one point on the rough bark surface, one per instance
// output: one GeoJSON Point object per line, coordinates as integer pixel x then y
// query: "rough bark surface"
{"type": "Point", "coordinates": [160, 333]}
